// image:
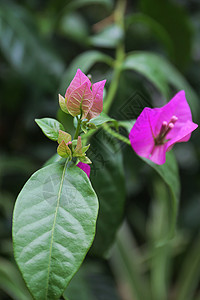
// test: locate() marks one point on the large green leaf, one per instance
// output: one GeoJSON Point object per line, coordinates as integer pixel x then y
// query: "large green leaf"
{"type": "Point", "coordinates": [161, 73]}
{"type": "Point", "coordinates": [50, 127]}
{"type": "Point", "coordinates": [107, 177]}
{"type": "Point", "coordinates": [53, 227]}
{"type": "Point", "coordinates": [84, 62]}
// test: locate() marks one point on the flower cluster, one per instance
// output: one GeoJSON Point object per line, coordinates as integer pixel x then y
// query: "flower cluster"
{"type": "Point", "coordinates": [153, 134]}
{"type": "Point", "coordinates": [68, 148]}
{"type": "Point", "coordinates": [80, 99]}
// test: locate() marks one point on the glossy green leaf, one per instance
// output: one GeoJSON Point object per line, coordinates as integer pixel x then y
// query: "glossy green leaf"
{"type": "Point", "coordinates": [50, 127]}
{"type": "Point", "coordinates": [53, 228]}
{"type": "Point", "coordinates": [84, 62]}
{"type": "Point", "coordinates": [107, 178]}
{"type": "Point", "coordinates": [161, 73]}
{"type": "Point", "coordinates": [102, 118]}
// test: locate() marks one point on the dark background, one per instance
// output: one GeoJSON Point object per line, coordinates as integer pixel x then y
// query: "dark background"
{"type": "Point", "coordinates": [39, 41]}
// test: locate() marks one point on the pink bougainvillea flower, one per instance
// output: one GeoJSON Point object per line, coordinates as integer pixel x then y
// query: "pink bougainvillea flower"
{"type": "Point", "coordinates": [81, 99]}
{"type": "Point", "coordinates": [157, 130]}
{"type": "Point", "coordinates": [85, 168]}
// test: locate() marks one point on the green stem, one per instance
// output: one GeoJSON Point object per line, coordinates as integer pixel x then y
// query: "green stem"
{"type": "Point", "coordinates": [115, 78]}
{"type": "Point", "coordinates": [77, 129]}
{"type": "Point", "coordinates": [116, 134]}
{"type": "Point", "coordinates": [120, 54]}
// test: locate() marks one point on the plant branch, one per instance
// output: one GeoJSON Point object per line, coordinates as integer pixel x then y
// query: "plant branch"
{"type": "Point", "coordinates": [77, 129]}
{"type": "Point", "coordinates": [120, 54]}
{"type": "Point", "coordinates": [116, 134]}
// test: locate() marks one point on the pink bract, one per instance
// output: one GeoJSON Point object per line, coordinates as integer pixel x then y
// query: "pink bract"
{"type": "Point", "coordinates": [85, 168]}
{"type": "Point", "coordinates": [80, 98]}
{"type": "Point", "coordinates": [97, 106]}
{"type": "Point", "coordinates": [157, 130]}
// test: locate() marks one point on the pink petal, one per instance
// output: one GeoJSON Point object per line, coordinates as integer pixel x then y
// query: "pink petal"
{"type": "Point", "coordinates": [85, 168]}
{"type": "Point", "coordinates": [149, 123]}
{"type": "Point", "coordinates": [178, 107]}
{"type": "Point", "coordinates": [180, 133]}
{"type": "Point", "coordinates": [97, 107]}
{"type": "Point", "coordinates": [141, 136]}
{"type": "Point", "coordinates": [79, 100]}
{"type": "Point", "coordinates": [76, 82]}
{"type": "Point", "coordinates": [158, 155]}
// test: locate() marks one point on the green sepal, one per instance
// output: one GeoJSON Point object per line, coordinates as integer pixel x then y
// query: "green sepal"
{"type": "Point", "coordinates": [78, 149]}
{"type": "Point", "coordinates": [84, 127]}
{"type": "Point", "coordinates": [74, 143]}
{"type": "Point", "coordinates": [85, 148]}
{"type": "Point", "coordinates": [63, 105]}
{"type": "Point", "coordinates": [63, 150]}
{"type": "Point", "coordinates": [64, 136]}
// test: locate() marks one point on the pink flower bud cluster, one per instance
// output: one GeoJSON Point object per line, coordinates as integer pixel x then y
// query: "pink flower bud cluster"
{"type": "Point", "coordinates": [83, 98]}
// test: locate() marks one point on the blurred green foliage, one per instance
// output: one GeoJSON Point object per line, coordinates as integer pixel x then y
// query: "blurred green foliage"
{"type": "Point", "coordinates": [41, 46]}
